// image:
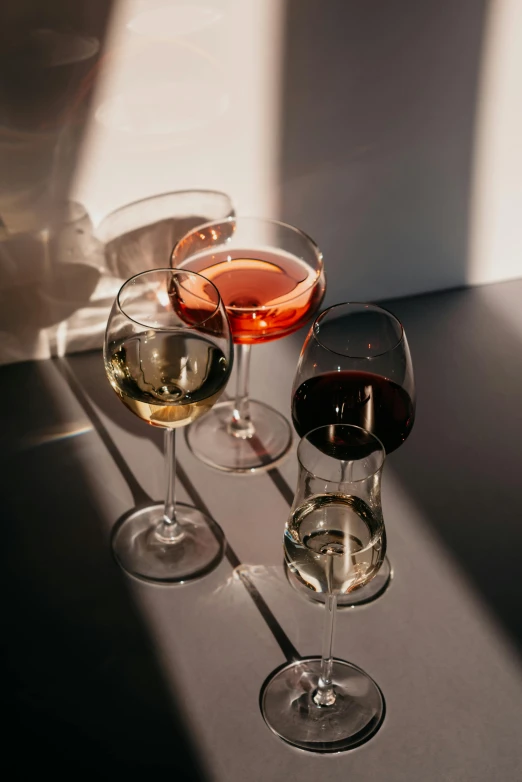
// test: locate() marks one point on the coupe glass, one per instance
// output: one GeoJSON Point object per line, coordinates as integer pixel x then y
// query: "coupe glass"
{"type": "Point", "coordinates": [355, 368]}
{"type": "Point", "coordinates": [271, 279]}
{"type": "Point", "coordinates": [168, 355]}
{"type": "Point", "coordinates": [140, 236]}
{"type": "Point", "coordinates": [334, 541]}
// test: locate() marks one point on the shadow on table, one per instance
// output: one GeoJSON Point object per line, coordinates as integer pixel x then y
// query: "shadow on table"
{"type": "Point", "coordinates": [81, 684]}
{"type": "Point", "coordinates": [86, 377]}
{"type": "Point", "coordinates": [87, 370]}
{"type": "Point", "coordinates": [462, 462]}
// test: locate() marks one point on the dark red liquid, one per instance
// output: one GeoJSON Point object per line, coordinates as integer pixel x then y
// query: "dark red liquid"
{"type": "Point", "coordinates": [361, 398]}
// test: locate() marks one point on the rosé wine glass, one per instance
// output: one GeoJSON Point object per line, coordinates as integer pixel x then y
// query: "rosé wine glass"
{"type": "Point", "coordinates": [271, 279]}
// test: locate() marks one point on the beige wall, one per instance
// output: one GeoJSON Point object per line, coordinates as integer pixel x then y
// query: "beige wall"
{"type": "Point", "coordinates": [388, 131]}
{"type": "Point", "coordinates": [496, 215]}
{"type": "Point", "coordinates": [189, 99]}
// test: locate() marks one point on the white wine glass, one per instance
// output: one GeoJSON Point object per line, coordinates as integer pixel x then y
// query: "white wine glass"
{"type": "Point", "coordinates": [168, 355]}
{"type": "Point", "coordinates": [334, 542]}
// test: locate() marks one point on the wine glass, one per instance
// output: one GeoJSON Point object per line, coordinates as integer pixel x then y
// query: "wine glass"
{"type": "Point", "coordinates": [355, 368]}
{"type": "Point", "coordinates": [271, 279]}
{"type": "Point", "coordinates": [334, 541]}
{"type": "Point", "coordinates": [168, 355]}
{"type": "Point", "coordinates": [140, 236]}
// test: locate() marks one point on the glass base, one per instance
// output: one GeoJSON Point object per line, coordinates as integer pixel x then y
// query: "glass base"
{"type": "Point", "coordinates": [360, 596]}
{"type": "Point", "coordinates": [143, 554]}
{"type": "Point", "coordinates": [289, 710]}
{"type": "Point", "coordinates": [210, 440]}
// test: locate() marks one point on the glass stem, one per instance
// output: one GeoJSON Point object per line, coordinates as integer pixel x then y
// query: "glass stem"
{"type": "Point", "coordinates": [325, 693]}
{"type": "Point", "coordinates": [241, 426]}
{"type": "Point", "coordinates": [169, 529]}
{"type": "Point", "coordinates": [346, 471]}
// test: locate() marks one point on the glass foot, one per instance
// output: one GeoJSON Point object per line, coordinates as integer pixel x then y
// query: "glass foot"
{"type": "Point", "coordinates": [365, 594]}
{"type": "Point", "coordinates": [289, 710]}
{"type": "Point", "coordinates": [141, 553]}
{"type": "Point", "coordinates": [210, 440]}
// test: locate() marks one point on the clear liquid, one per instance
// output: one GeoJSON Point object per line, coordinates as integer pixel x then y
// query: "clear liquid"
{"type": "Point", "coordinates": [167, 379]}
{"type": "Point", "coordinates": [334, 543]}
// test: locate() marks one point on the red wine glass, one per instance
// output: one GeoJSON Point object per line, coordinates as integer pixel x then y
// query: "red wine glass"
{"type": "Point", "coordinates": [355, 368]}
{"type": "Point", "coordinates": [271, 280]}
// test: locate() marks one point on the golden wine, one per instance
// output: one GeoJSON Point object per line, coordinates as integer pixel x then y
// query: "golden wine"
{"type": "Point", "coordinates": [167, 379]}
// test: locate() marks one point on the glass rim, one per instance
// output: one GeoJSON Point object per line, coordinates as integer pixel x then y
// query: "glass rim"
{"type": "Point", "coordinates": [382, 451]}
{"type": "Point", "coordinates": [248, 218]}
{"type": "Point", "coordinates": [165, 194]}
{"type": "Point", "coordinates": [171, 272]}
{"type": "Point", "coordinates": [365, 304]}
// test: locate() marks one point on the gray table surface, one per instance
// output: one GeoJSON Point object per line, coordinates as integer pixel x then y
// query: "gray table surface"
{"type": "Point", "coordinates": [123, 679]}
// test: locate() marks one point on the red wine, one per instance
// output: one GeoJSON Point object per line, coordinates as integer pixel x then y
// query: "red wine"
{"type": "Point", "coordinates": [361, 398]}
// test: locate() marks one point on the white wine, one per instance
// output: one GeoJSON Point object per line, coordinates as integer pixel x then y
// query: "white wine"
{"type": "Point", "coordinates": [168, 379]}
{"type": "Point", "coordinates": [334, 543]}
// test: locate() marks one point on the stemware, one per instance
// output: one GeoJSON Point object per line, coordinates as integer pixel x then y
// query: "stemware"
{"type": "Point", "coordinates": [334, 541]}
{"type": "Point", "coordinates": [140, 236]}
{"type": "Point", "coordinates": [271, 279]}
{"type": "Point", "coordinates": [168, 355]}
{"type": "Point", "coordinates": [355, 368]}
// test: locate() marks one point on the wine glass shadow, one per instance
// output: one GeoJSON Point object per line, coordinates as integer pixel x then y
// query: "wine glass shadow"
{"type": "Point", "coordinates": [52, 294]}
{"type": "Point", "coordinates": [50, 63]}
{"type": "Point", "coordinates": [461, 464]}
{"type": "Point", "coordinates": [81, 680]}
